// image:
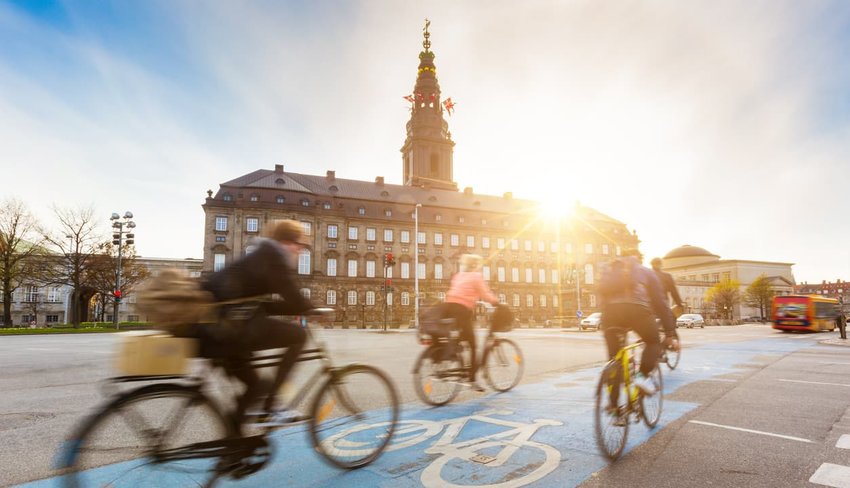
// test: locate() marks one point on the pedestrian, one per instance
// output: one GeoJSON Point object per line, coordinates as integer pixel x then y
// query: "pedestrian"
{"type": "Point", "coordinates": [841, 322]}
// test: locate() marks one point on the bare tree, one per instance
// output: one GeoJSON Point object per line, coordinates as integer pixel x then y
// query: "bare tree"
{"type": "Point", "coordinates": [21, 251]}
{"type": "Point", "coordinates": [101, 275]}
{"type": "Point", "coordinates": [78, 242]}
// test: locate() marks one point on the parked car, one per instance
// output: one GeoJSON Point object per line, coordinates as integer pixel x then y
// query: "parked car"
{"type": "Point", "coordinates": [591, 321]}
{"type": "Point", "coordinates": [690, 320]}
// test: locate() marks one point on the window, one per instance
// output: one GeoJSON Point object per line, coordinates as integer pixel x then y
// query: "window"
{"type": "Point", "coordinates": [332, 231]}
{"type": "Point", "coordinates": [438, 271]}
{"type": "Point", "coordinates": [420, 238]}
{"type": "Point", "coordinates": [405, 298]}
{"type": "Point", "coordinates": [441, 296]}
{"type": "Point", "coordinates": [388, 213]}
{"type": "Point", "coordinates": [500, 274]}
{"type": "Point", "coordinates": [218, 262]}
{"type": "Point", "coordinates": [555, 301]}
{"type": "Point", "coordinates": [352, 268]}
{"type": "Point", "coordinates": [370, 269]}
{"type": "Point", "coordinates": [541, 246]}
{"type": "Point", "coordinates": [305, 292]}
{"type": "Point", "coordinates": [331, 297]}
{"type": "Point", "coordinates": [588, 274]}
{"type": "Point", "coordinates": [588, 248]}
{"type": "Point", "coordinates": [420, 271]}
{"type": "Point", "coordinates": [388, 235]}
{"type": "Point", "coordinates": [541, 275]}
{"type": "Point", "coordinates": [485, 242]}
{"type": "Point", "coordinates": [514, 274]}
{"type": "Point", "coordinates": [53, 294]}
{"type": "Point", "coordinates": [331, 267]}
{"type": "Point", "coordinates": [307, 227]}
{"type": "Point", "coordinates": [514, 244]}
{"type": "Point", "coordinates": [326, 205]}
{"type": "Point", "coordinates": [404, 236]}
{"type": "Point", "coordinates": [515, 300]}
{"type": "Point", "coordinates": [352, 297]}
{"type": "Point", "coordinates": [405, 271]}
{"type": "Point", "coordinates": [438, 238]}
{"type": "Point", "coordinates": [527, 246]}
{"type": "Point", "coordinates": [592, 300]}
{"type": "Point", "coordinates": [352, 233]}
{"type": "Point", "coordinates": [470, 241]}
{"type": "Point", "coordinates": [529, 275]}
{"type": "Point", "coordinates": [252, 224]}
{"type": "Point", "coordinates": [31, 294]}
{"type": "Point", "coordinates": [220, 239]}
{"type": "Point", "coordinates": [485, 271]}
{"type": "Point", "coordinates": [454, 240]}
{"type": "Point", "coordinates": [255, 197]}
{"type": "Point", "coordinates": [503, 299]}
{"type": "Point", "coordinates": [279, 199]}
{"type": "Point", "coordinates": [371, 233]}
{"type": "Point", "coordinates": [370, 298]}
{"type": "Point", "coordinates": [221, 224]}
{"type": "Point", "coordinates": [388, 273]}
{"type": "Point", "coordinates": [715, 277]}
{"type": "Point", "coordinates": [556, 278]}
{"type": "Point", "coordinates": [553, 247]}
{"type": "Point", "coordinates": [52, 319]}
{"type": "Point", "coordinates": [605, 249]}
{"type": "Point", "coordinates": [500, 243]}
{"type": "Point", "coordinates": [389, 299]}
{"type": "Point", "coordinates": [361, 210]}
{"type": "Point", "coordinates": [529, 300]}
{"type": "Point", "coordinates": [542, 301]}
{"type": "Point", "coordinates": [438, 218]}
{"type": "Point", "coordinates": [461, 220]}
{"type": "Point", "coordinates": [304, 262]}
{"type": "Point", "coordinates": [305, 203]}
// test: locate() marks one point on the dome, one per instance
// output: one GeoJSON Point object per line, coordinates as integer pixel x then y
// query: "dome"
{"type": "Point", "coordinates": [688, 251]}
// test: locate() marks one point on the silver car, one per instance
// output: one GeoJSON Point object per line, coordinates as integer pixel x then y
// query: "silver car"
{"type": "Point", "coordinates": [591, 321]}
{"type": "Point", "coordinates": [690, 320]}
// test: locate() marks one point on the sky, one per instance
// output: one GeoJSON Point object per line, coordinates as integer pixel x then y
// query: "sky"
{"type": "Point", "coordinates": [719, 124]}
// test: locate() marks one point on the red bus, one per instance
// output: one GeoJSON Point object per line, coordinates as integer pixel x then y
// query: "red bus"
{"type": "Point", "coordinates": [804, 312]}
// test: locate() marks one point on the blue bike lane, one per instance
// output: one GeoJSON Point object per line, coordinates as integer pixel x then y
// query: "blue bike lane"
{"type": "Point", "coordinates": [536, 435]}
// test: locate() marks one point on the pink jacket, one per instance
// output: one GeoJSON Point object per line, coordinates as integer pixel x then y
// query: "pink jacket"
{"type": "Point", "coordinates": [467, 287]}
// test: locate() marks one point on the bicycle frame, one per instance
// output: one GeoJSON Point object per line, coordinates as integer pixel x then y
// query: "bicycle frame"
{"type": "Point", "coordinates": [625, 357]}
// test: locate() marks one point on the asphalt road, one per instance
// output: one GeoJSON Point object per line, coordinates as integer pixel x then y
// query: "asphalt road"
{"type": "Point", "coordinates": [747, 406]}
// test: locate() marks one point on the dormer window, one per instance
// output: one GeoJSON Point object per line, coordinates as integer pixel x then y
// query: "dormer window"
{"type": "Point", "coordinates": [305, 203]}
{"type": "Point", "coordinates": [227, 197]}
{"type": "Point", "coordinates": [280, 181]}
{"type": "Point", "coordinates": [333, 189]}
{"type": "Point", "coordinates": [361, 210]}
{"type": "Point", "coordinates": [385, 193]}
{"type": "Point", "coordinates": [255, 197]}
{"type": "Point", "coordinates": [460, 219]}
{"type": "Point", "coordinates": [326, 205]}
{"type": "Point", "coordinates": [279, 199]}
{"type": "Point", "coordinates": [438, 218]}
{"type": "Point", "coordinates": [388, 213]}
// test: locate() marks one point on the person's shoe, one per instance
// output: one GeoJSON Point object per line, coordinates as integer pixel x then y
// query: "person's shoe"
{"type": "Point", "coordinates": [620, 418]}
{"type": "Point", "coordinates": [644, 384]}
{"type": "Point", "coordinates": [475, 386]}
{"type": "Point", "coordinates": [275, 418]}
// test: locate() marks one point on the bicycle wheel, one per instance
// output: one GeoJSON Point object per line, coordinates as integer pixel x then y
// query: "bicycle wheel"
{"type": "Point", "coordinates": [354, 416]}
{"type": "Point", "coordinates": [120, 445]}
{"type": "Point", "coordinates": [437, 375]}
{"type": "Point", "coordinates": [611, 416]}
{"type": "Point", "coordinates": [503, 365]}
{"type": "Point", "coordinates": [650, 406]}
{"type": "Point", "coordinates": [672, 358]}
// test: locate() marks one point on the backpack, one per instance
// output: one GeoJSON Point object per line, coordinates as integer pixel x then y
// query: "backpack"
{"type": "Point", "coordinates": [172, 300]}
{"type": "Point", "coordinates": [616, 279]}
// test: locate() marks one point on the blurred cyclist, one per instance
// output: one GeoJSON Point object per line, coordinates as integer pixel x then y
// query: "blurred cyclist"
{"type": "Point", "coordinates": [668, 285]}
{"type": "Point", "coordinates": [466, 288]}
{"type": "Point", "coordinates": [631, 297]}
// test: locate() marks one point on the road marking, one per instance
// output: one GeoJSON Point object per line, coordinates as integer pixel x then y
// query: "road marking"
{"type": "Point", "coordinates": [721, 379]}
{"type": "Point", "coordinates": [843, 442]}
{"type": "Point", "coordinates": [788, 437]}
{"type": "Point", "coordinates": [833, 362]}
{"type": "Point", "coordinates": [832, 475]}
{"type": "Point", "coordinates": [814, 382]}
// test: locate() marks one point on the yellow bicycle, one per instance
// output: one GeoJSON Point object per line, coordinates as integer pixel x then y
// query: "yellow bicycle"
{"type": "Point", "coordinates": [619, 402]}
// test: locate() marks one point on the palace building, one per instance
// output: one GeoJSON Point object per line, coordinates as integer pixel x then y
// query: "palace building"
{"type": "Point", "coordinates": [543, 269]}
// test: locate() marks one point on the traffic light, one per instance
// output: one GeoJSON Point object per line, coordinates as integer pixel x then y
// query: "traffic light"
{"type": "Point", "coordinates": [389, 260]}
{"type": "Point", "coordinates": [116, 239]}
{"type": "Point", "coordinates": [117, 295]}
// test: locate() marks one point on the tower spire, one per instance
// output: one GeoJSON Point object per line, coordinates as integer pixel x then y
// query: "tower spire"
{"type": "Point", "coordinates": [428, 149]}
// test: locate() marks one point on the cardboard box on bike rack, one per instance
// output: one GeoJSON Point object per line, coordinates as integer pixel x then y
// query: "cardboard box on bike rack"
{"type": "Point", "coordinates": [148, 353]}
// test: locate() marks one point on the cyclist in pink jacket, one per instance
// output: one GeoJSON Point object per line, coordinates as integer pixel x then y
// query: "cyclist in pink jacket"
{"type": "Point", "coordinates": [467, 287]}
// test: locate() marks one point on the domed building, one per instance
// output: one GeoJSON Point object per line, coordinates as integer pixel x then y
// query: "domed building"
{"type": "Point", "coordinates": [696, 270]}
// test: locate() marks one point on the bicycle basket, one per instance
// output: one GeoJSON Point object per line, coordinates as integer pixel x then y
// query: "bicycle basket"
{"type": "Point", "coordinates": [502, 319]}
{"type": "Point", "coordinates": [429, 321]}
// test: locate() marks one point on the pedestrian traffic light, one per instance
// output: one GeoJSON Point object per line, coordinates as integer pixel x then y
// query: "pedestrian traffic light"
{"type": "Point", "coordinates": [389, 260]}
{"type": "Point", "coordinates": [116, 239]}
{"type": "Point", "coordinates": [117, 295]}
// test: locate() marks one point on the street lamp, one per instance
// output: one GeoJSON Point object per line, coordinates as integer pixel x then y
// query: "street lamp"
{"type": "Point", "coordinates": [416, 265]}
{"type": "Point", "coordinates": [118, 239]}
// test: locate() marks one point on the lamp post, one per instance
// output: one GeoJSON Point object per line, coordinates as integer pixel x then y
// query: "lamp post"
{"type": "Point", "coordinates": [416, 265]}
{"type": "Point", "coordinates": [118, 233]}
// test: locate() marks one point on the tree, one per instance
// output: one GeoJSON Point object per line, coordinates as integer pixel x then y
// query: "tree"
{"type": "Point", "coordinates": [101, 274]}
{"type": "Point", "coordinates": [78, 242]}
{"type": "Point", "coordinates": [21, 251]}
{"type": "Point", "coordinates": [724, 295]}
{"type": "Point", "coordinates": [759, 294]}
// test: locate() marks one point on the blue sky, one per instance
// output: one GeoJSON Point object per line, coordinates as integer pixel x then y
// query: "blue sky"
{"type": "Point", "coordinates": [718, 124]}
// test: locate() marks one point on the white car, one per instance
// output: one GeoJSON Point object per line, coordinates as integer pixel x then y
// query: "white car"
{"type": "Point", "coordinates": [591, 321]}
{"type": "Point", "coordinates": [690, 320]}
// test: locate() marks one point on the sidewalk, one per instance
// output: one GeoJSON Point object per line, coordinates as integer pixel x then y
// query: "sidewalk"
{"type": "Point", "coordinates": [836, 341]}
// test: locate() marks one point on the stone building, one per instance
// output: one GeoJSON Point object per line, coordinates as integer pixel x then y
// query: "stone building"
{"type": "Point", "coordinates": [544, 269]}
{"type": "Point", "coordinates": [839, 289]}
{"type": "Point", "coordinates": [697, 270]}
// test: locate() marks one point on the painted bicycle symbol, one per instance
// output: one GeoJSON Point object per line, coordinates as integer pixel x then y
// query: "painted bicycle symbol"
{"type": "Point", "coordinates": [486, 459]}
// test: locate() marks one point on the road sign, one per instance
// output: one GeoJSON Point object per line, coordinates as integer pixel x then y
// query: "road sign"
{"type": "Point", "coordinates": [578, 313]}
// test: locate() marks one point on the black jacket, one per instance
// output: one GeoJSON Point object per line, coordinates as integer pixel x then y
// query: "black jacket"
{"type": "Point", "coordinates": [668, 285]}
{"type": "Point", "coordinates": [262, 272]}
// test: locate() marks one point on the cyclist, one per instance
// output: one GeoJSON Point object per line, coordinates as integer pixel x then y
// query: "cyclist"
{"type": "Point", "coordinates": [631, 297]}
{"type": "Point", "coordinates": [268, 269]}
{"type": "Point", "coordinates": [668, 285]}
{"type": "Point", "coordinates": [467, 287]}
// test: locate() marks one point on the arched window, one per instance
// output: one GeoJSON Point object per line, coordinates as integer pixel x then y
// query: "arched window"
{"type": "Point", "coordinates": [331, 300]}
{"type": "Point", "coordinates": [305, 292]}
{"type": "Point", "coordinates": [370, 298]}
{"type": "Point", "coordinates": [352, 297]}
{"type": "Point", "coordinates": [405, 298]}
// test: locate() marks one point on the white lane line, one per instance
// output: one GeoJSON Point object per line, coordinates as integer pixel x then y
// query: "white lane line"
{"type": "Point", "coordinates": [832, 475]}
{"type": "Point", "coordinates": [814, 382]}
{"type": "Point", "coordinates": [721, 379]}
{"type": "Point", "coordinates": [788, 437]}
{"type": "Point", "coordinates": [843, 442]}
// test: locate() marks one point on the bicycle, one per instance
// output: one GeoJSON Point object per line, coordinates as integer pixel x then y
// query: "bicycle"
{"type": "Point", "coordinates": [619, 402]}
{"type": "Point", "coordinates": [442, 368]}
{"type": "Point", "coordinates": [171, 432]}
{"type": "Point", "coordinates": [670, 357]}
